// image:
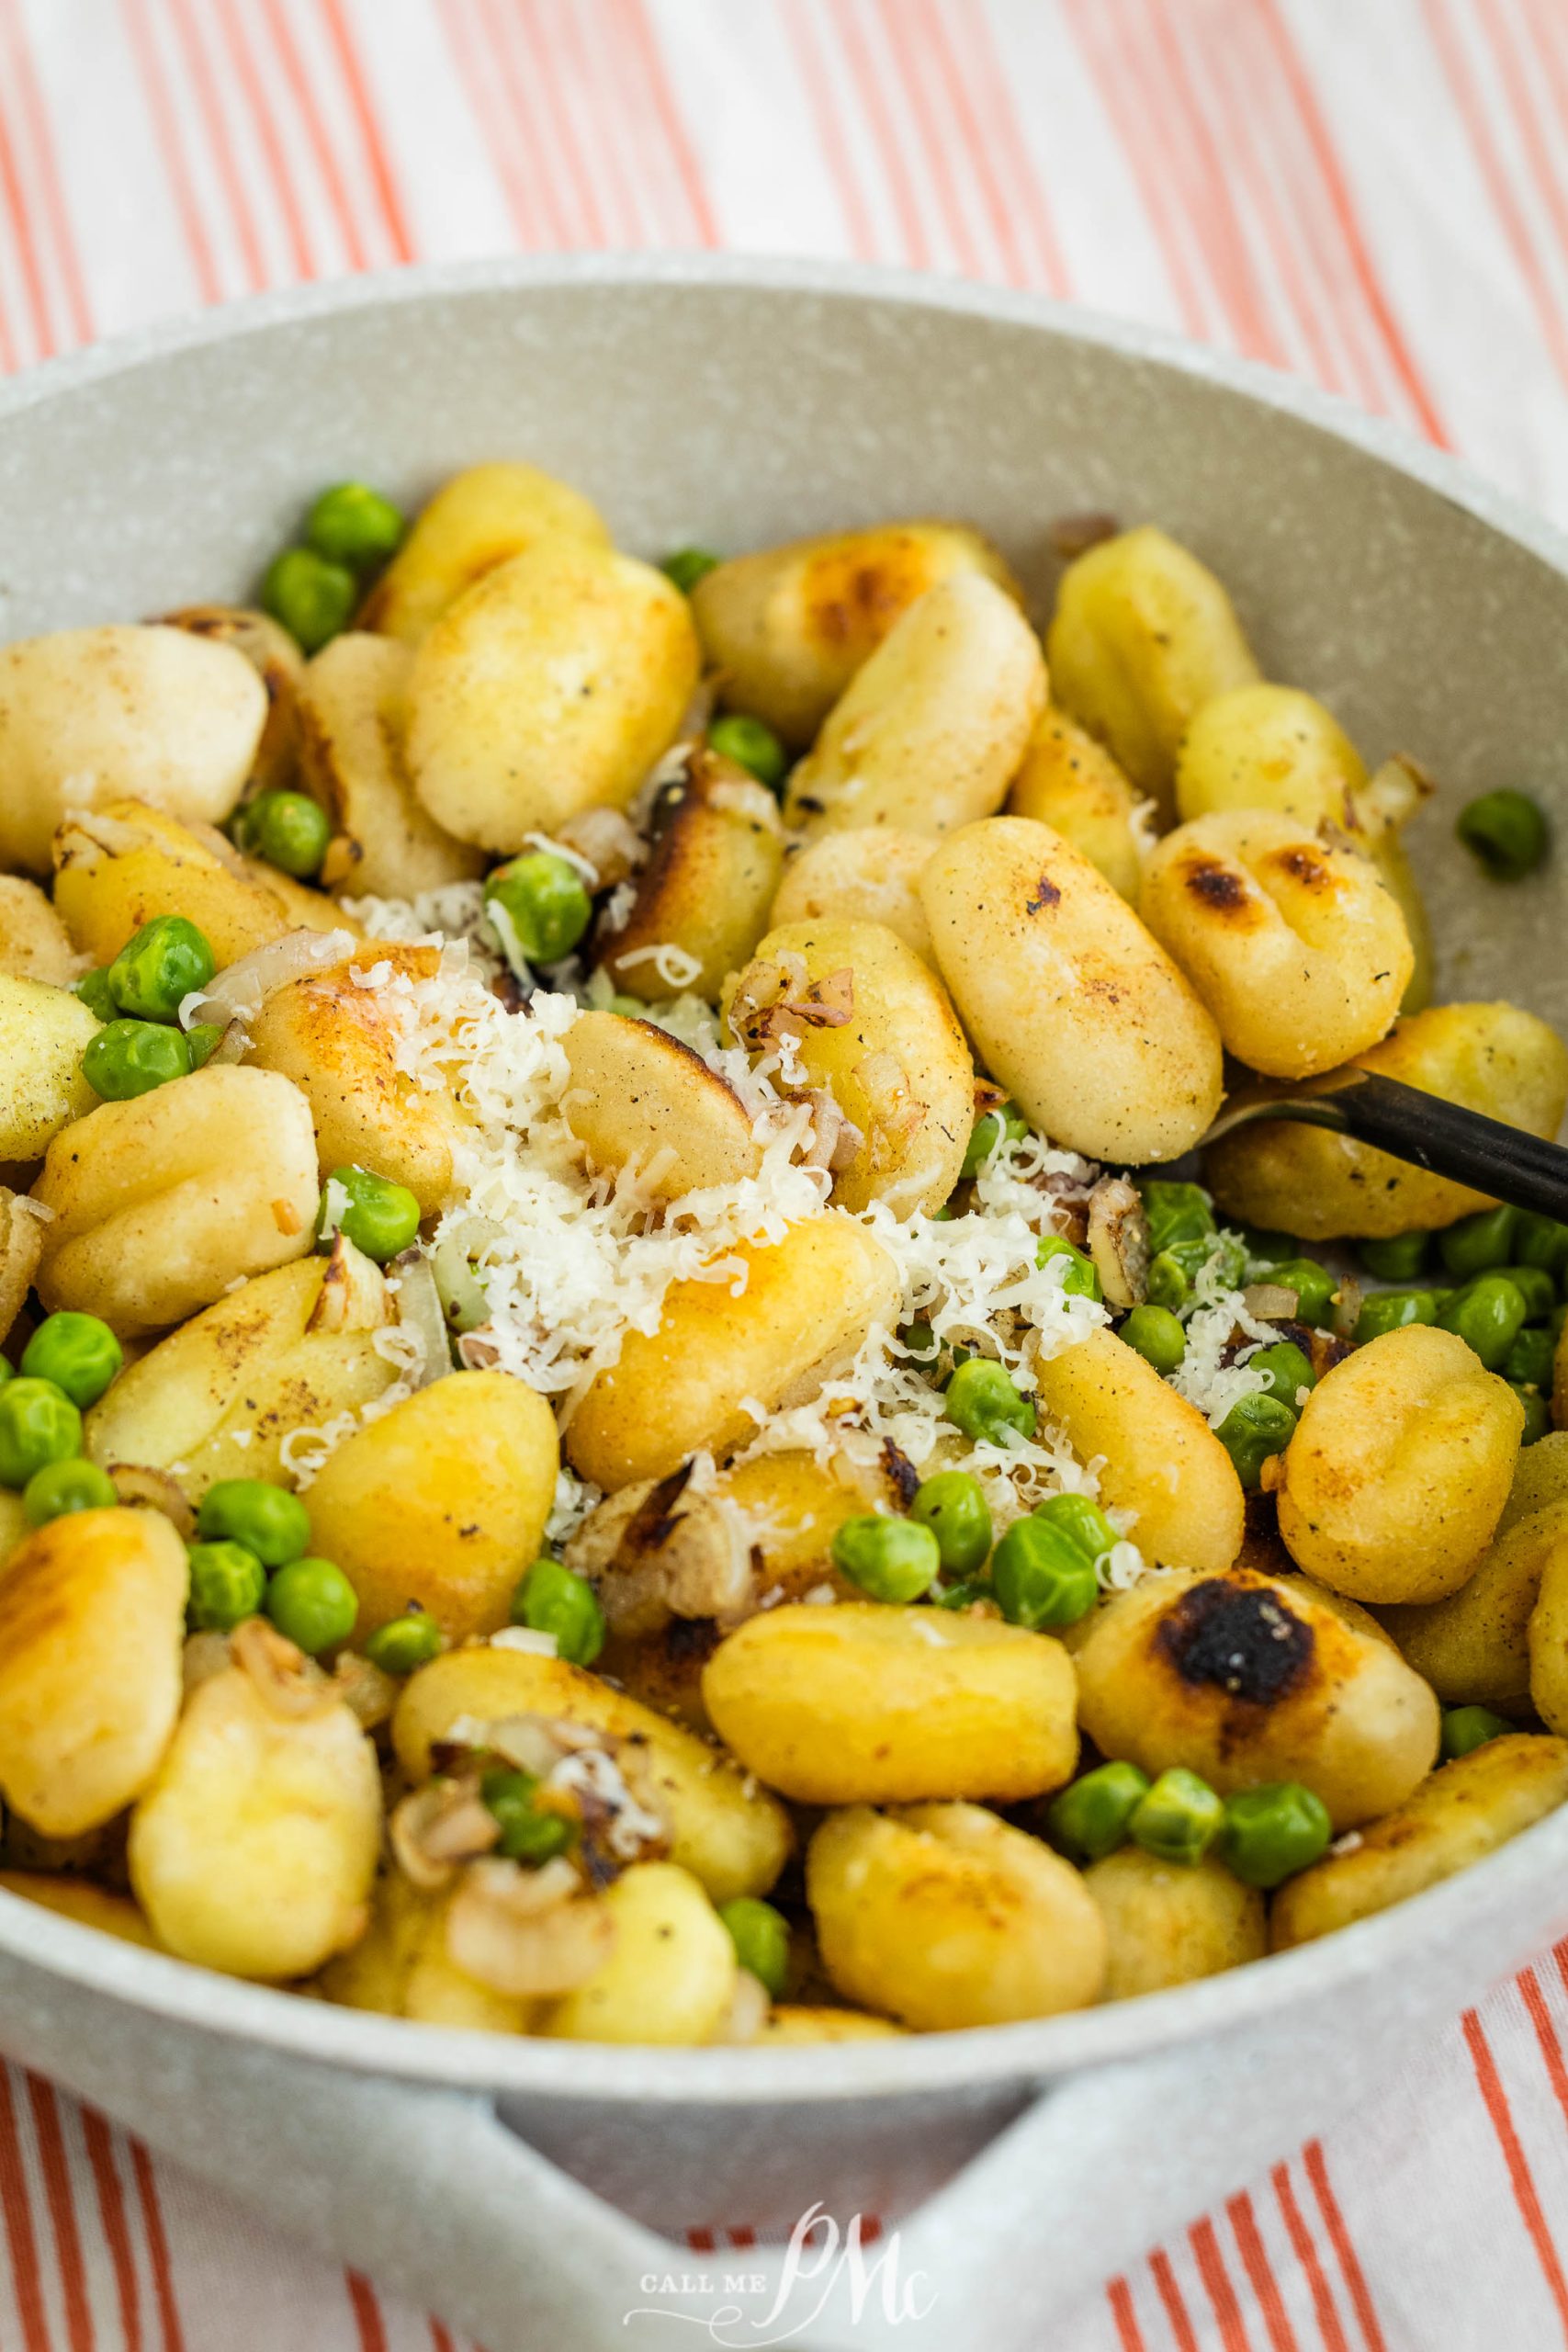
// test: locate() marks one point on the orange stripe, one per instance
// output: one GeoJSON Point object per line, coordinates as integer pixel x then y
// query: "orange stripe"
{"type": "Point", "coordinates": [1217, 2285]}
{"type": "Point", "coordinates": [1344, 2251]}
{"type": "Point", "coordinates": [209, 102]}
{"type": "Point", "coordinates": [440, 2341]}
{"type": "Point", "coordinates": [844, 21]}
{"type": "Point", "coordinates": [1170, 2295]}
{"type": "Point", "coordinates": [818, 85]}
{"type": "Point", "coordinates": [1516, 230]}
{"type": "Point", "coordinates": [1260, 2273]}
{"type": "Point", "coordinates": [545, 65]}
{"type": "Point", "coordinates": [13, 208]}
{"type": "Point", "coordinates": [1128, 2335]}
{"type": "Point", "coordinates": [991, 127]}
{"type": "Point", "coordinates": [157, 2248]}
{"type": "Point", "coordinates": [1217, 218]}
{"type": "Point", "coordinates": [700, 2241]}
{"type": "Point", "coordinates": [36, 116]}
{"type": "Point", "coordinates": [1521, 2178]}
{"type": "Point", "coordinates": [383, 178]}
{"type": "Point", "coordinates": [167, 124]}
{"type": "Point", "coordinates": [366, 2312]}
{"type": "Point", "coordinates": [99, 2146]}
{"type": "Point", "coordinates": [1546, 2034]}
{"type": "Point", "coordinates": [1518, 89]}
{"type": "Point", "coordinates": [534, 136]}
{"type": "Point", "coordinates": [1547, 31]}
{"type": "Point", "coordinates": [259, 105]}
{"type": "Point", "coordinates": [56, 2169]}
{"type": "Point", "coordinates": [619, 188]}
{"type": "Point", "coordinates": [1357, 250]}
{"type": "Point", "coordinates": [1141, 135]}
{"type": "Point", "coordinates": [642, 45]}
{"type": "Point", "coordinates": [462, 38]}
{"type": "Point", "coordinates": [26, 2285]}
{"type": "Point", "coordinates": [1305, 2252]}
{"type": "Point", "coordinates": [909, 63]}
{"type": "Point", "coordinates": [302, 90]}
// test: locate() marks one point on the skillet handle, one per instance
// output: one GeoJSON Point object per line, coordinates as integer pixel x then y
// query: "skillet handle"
{"type": "Point", "coordinates": [431, 2192]}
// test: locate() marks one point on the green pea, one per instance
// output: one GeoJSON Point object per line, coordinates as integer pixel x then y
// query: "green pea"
{"type": "Point", "coordinates": [313, 597]}
{"type": "Point", "coordinates": [227, 1584]}
{"type": "Point", "coordinates": [93, 988]}
{"type": "Point", "coordinates": [39, 1424]}
{"type": "Point", "coordinates": [1176, 1213]}
{"type": "Point", "coordinates": [1286, 1370]}
{"type": "Point", "coordinates": [1264, 1248]}
{"type": "Point", "coordinates": [1255, 1428]}
{"type": "Point", "coordinates": [985, 1405]}
{"type": "Point", "coordinates": [1392, 1310]}
{"type": "Point", "coordinates": [131, 1057]}
{"type": "Point", "coordinates": [159, 967]}
{"type": "Point", "coordinates": [1535, 1286]}
{"type": "Point", "coordinates": [1475, 1244]}
{"type": "Point", "coordinates": [1156, 1335]}
{"type": "Point", "coordinates": [62, 1486]}
{"type": "Point", "coordinates": [202, 1042]}
{"type": "Point", "coordinates": [1537, 1415]}
{"type": "Point", "coordinates": [1169, 1283]}
{"type": "Point", "coordinates": [376, 1216]}
{"type": "Point", "coordinates": [1467, 1728]}
{"type": "Point", "coordinates": [1488, 1316]}
{"type": "Point", "coordinates": [1005, 1125]}
{"type": "Point", "coordinates": [1044, 1568]}
{"type": "Point", "coordinates": [539, 905]}
{"type": "Point", "coordinates": [1271, 1833]}
{"type": "Point", "coordinates": [312, 1604]}
{"type": "Point", "coordinates": [1089, 1819]}
{"type": "Point", "coordinates": [953, 1506]}
{"type": "Point", "coordinates": [529, 1832]}
{"type": "Point", "coordinates": [687, 566]}
{"type": "Point", "coordinates": [761, 1937]}
{"type": "Point", "coordinates": [405, 1643]}
{"type": "Point", "coordinates": [892, 1559]}
{"type": "Point", "coordinates": [353, 524]}
{"type": "Point", "coordinates": [553, 1599]}
{"type": "Point", "coordinates": [1315, 1287]}
{"type": "Point", "coordinates": [290, 831]}
{"type": "Point", "coordinates": [751, 744]}
{"type": "Point", "coordinates": [962, 1595]}
{"type": "Point", "coordinates": [268, 1520]}
{"type": "Point", "coordinates": [1399, 1260]}
{"type": "Point", "coordinates": [79, 1354]}
{"type": "Point", "coordinates": [1179, 1819]}
{"type": "Point", "coordinates": [1540, 1241]}
{"type": "Point", "coordinates": [1507, 831]}
{"type": "Point", "coordinates": [1080, 1279]}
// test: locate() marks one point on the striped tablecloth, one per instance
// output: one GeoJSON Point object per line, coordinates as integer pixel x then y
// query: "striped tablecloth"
{"type": "Point", "coordinates": [1375, 192]}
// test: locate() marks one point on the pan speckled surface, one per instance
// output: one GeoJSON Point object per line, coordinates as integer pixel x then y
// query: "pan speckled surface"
{"type": "Point", "coordinates": [735, 403]}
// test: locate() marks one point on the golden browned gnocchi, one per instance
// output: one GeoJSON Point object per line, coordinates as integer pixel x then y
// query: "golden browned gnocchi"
{"type": "Point", "coordinates": [1071, 1003]}
{"type": "Point", "coordinates": [931, 730]}
{"type": "Point", "coordinates": [1143, 635]}
{"type": "Point", "coordinates": [787, 628]}
{"type": "Point", "coordinates": [861, 1705]}
{"type": "Point", "coordinates": [1396, 1476]}
{"type": "Point", "coordinates": [1071, 783]}
{"type": "Point", "coordinates": [1492, 1057]}
{"type": "Point", "coordinates": [942, 1916]}
{"type": "Point", "coordinates": [861, 875]}
{"type": "Point", "coordinates": [807, 1304]}
{"type": "Point", "coordinates": [550, 686]}
{"type": "Point", "coordinates": [158, 1204]}
{"type": "Point", "coordinates": [93, 715]}
{"type": "Point", "coordinates": [1297, 949]}
{"type": "Point", "coordinates": [549, 1390]}
{"type": "Point", "coordinates": [92, 1610]}
{"type": "Point", "coordinates": [868, 1023]}
{"type": "Point", "coordinates": [1239, 1678]}
{"type": "Point", "coordinates": [1455, 1817]}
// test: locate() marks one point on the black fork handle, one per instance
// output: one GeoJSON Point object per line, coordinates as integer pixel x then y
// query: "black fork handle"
{"type": "Point", "coordinates": [1504, 1161]}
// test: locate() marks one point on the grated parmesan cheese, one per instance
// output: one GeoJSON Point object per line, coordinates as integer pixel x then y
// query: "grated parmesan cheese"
{"type": "Point", "coordinates": [1213, 1322]}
